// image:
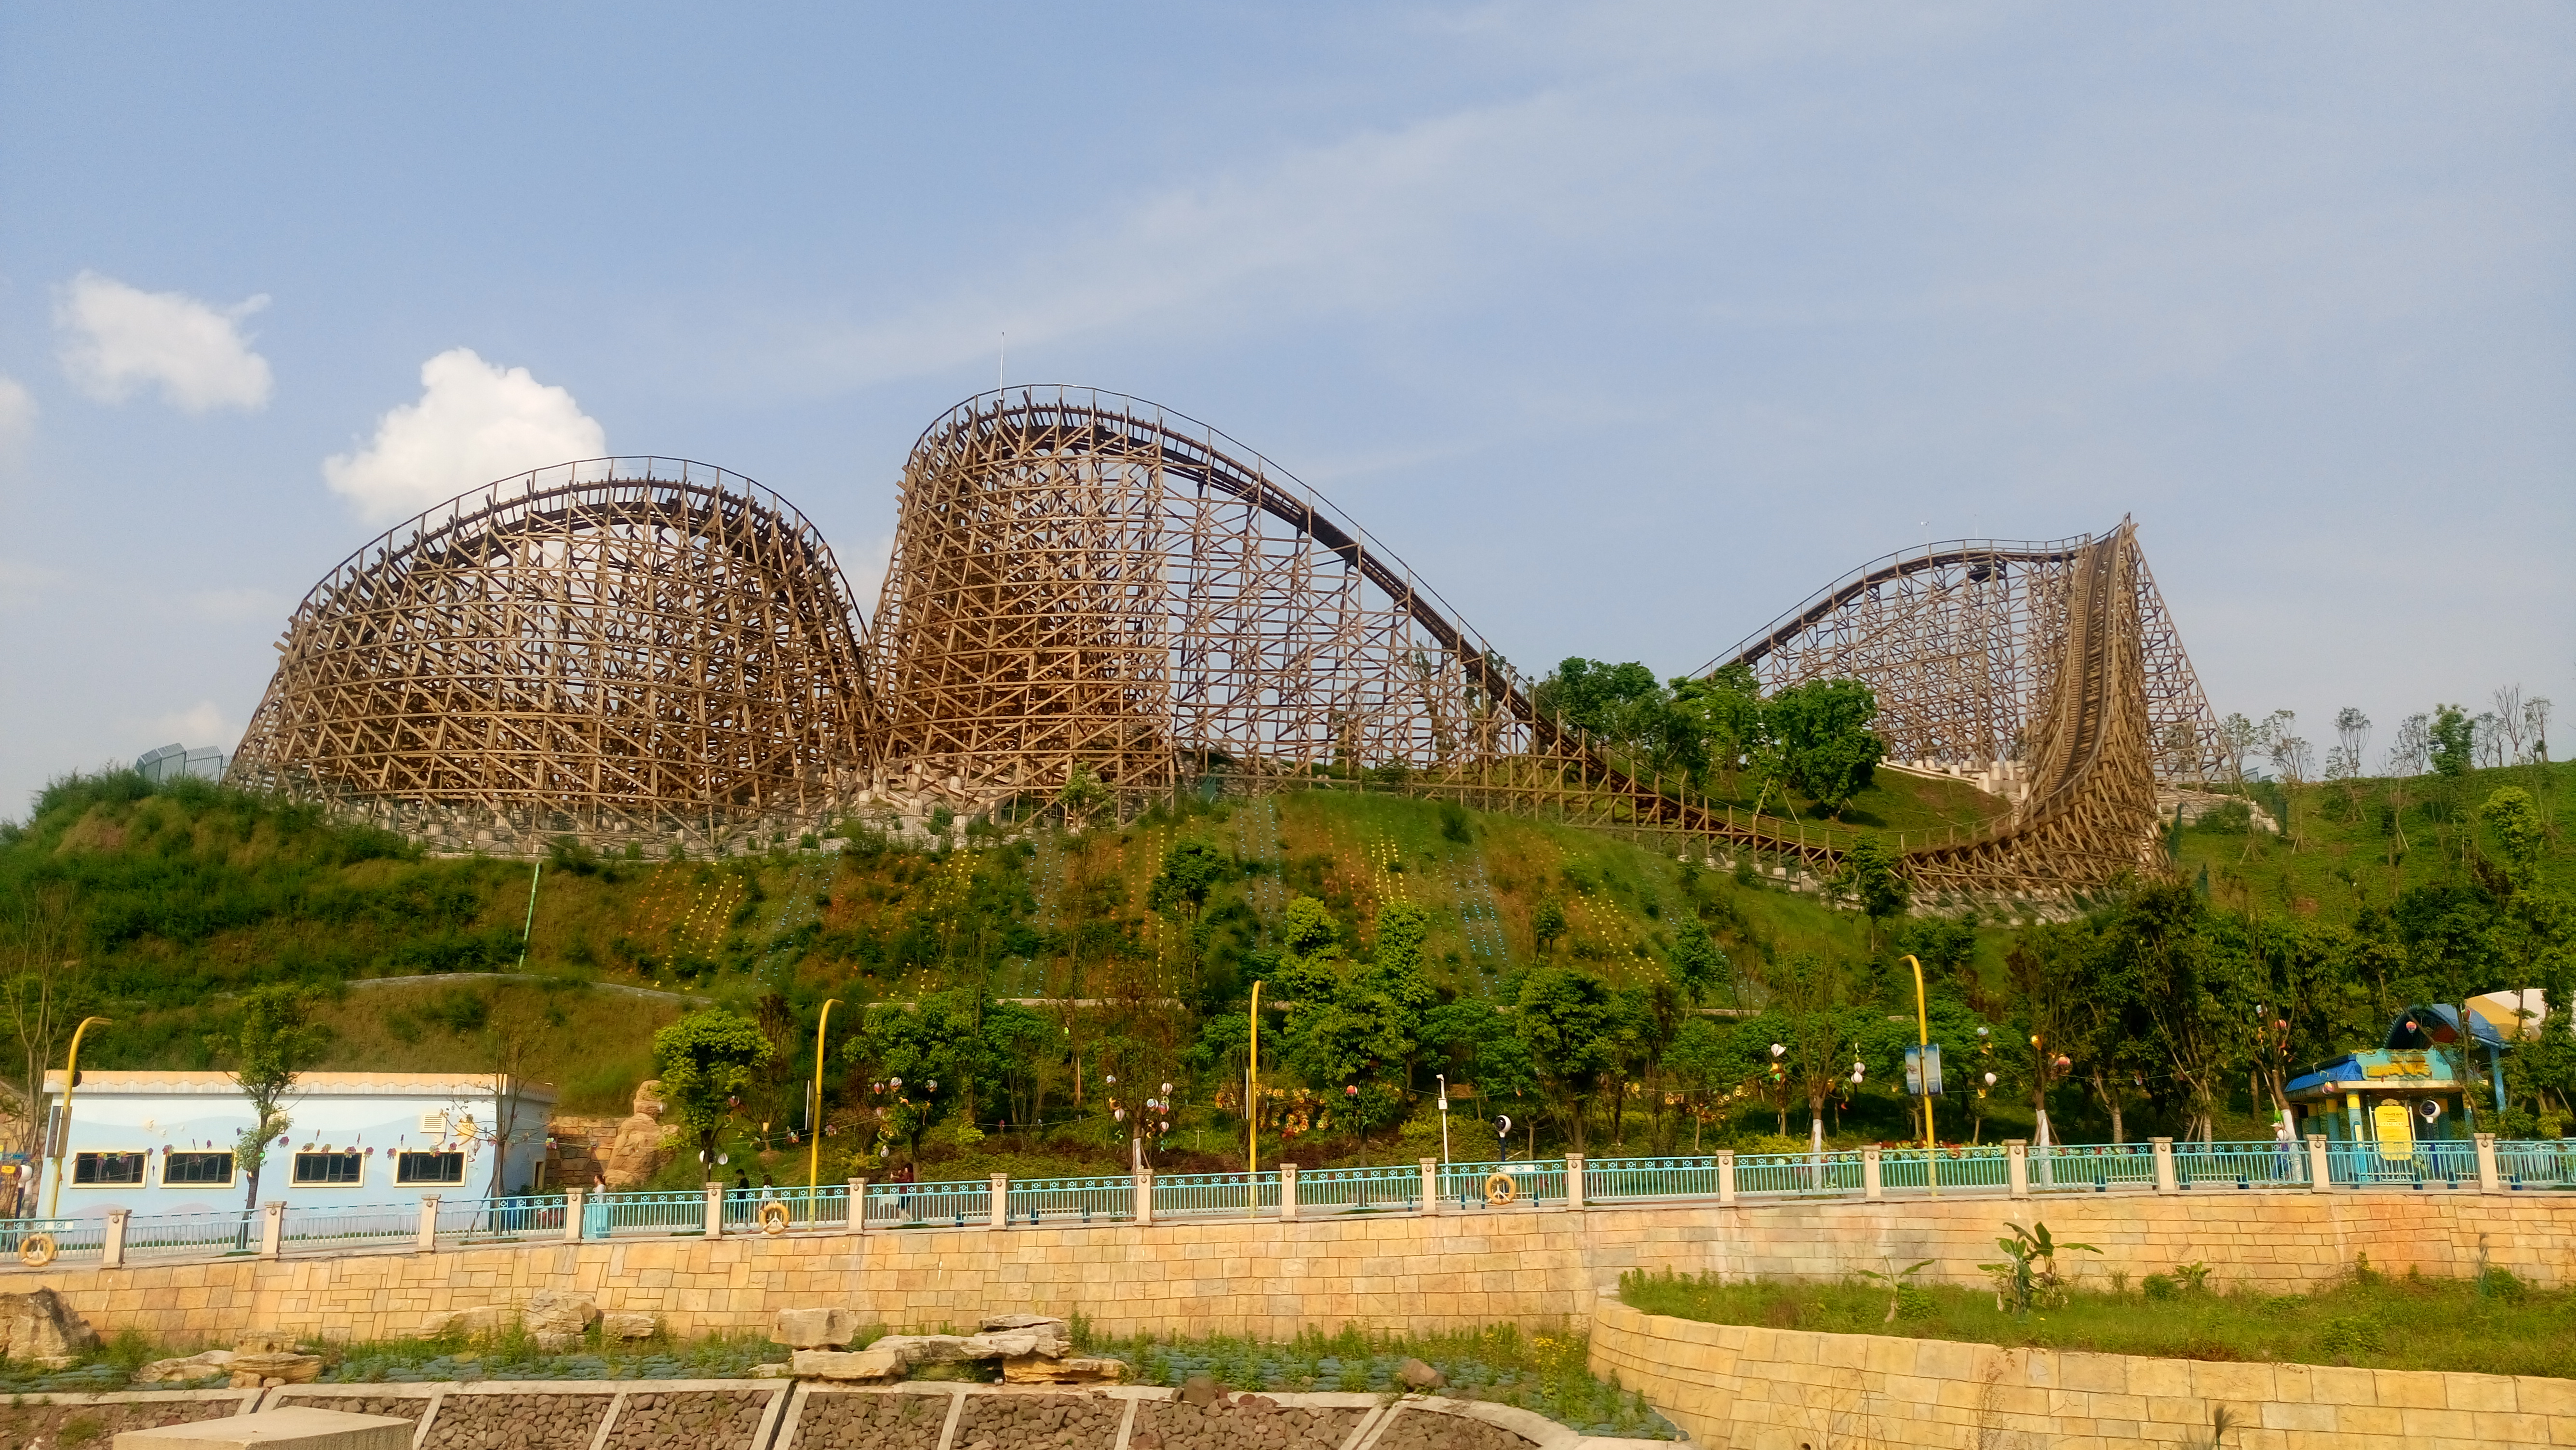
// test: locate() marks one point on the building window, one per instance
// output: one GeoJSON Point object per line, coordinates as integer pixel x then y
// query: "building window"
{"type": "Point", "coordinates": [212, 1170]}
{"type": "Point", "coordinates": [107, 1170]}
{"type": "Point", "coordinates": [429, 1168]}
{"type": "Point", "coordinates": [322, 1169]}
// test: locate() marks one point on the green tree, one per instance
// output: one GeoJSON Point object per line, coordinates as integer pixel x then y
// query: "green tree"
{"type": "Point", "coordinates": [1358, 1026]}
{"type": "Point", "coordinates": [1821, 741]}
{"type": "Point", "coordinates": [1698, 964]}
{"type": "Point", "coordinates": [924, 1060]}
{"type": "Point", "coordinates": [705, 1061]}
{"type": "Point", "coordinates": [268, 1047]}
{"type": "Point", "coordinates": [1869, 873]}
{"type": "Point", "coordinates": [2509, 813]}
{"type": "Point", "coordinates": [2453, 741]}
{"type": "Point", "coordinates": [1622, 706]}
{"type": "Point", "coordinates": [1564, 1018]}
{"type": "Point", "coordinates": [1725, 713]}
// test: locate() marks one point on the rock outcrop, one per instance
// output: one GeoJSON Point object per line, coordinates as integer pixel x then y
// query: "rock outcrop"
{"type": "Point", "coordinates": [41, 1328]}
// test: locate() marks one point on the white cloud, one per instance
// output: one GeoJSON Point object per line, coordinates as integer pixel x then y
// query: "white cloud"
{"type": "Point", "coordinates": [199, 724]}
{"type": "Point", "coordinates": [475, 422]}
{"type": "Point", "coordinates": [17, 415]}
{"type": "Point", "coordinates": [117, 338]}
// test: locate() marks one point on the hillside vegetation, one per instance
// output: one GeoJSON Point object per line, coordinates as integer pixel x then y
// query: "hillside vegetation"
{"type": "Point", "coordinates": [1598, 991]}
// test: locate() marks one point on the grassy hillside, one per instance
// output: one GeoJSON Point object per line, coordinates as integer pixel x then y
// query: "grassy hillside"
{"type": "Point", "coordinates": [156, 906]}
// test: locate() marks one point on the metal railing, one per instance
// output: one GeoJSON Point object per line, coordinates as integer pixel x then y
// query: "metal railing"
{"type": "Point", "coordinates": [1357, 1190]}
{"type": "Point", "coordinates": [1792, 1175]}
{"type": "Point", "coordinates": [2432, 1165]}
{"type": "Point", "coordinates": [1184, 1195]}
{"type": "Point", "coordinates": [1537, 1182]}
{"type": "Point", "coordinates": [2248, 1165]}
{"type": "Point", "coordinates": [644, 1215]}
{"type": "Point", "coordinates": [2093, 1168]}
{"type": "Point", "coordinates": [913, 1205]}
{"type": "Point", "coordinates": [1066, 1201]}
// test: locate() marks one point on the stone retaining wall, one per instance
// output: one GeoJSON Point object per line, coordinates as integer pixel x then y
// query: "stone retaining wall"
{"type": "Point", "coordinates": [557, 1415]}
{"type": "Point", "coordinates": [1392, 1271]}
{"type": "Point", "coordinates": [1747, 1388]}
{"type": "Point", "coordinates": [52, 1420]}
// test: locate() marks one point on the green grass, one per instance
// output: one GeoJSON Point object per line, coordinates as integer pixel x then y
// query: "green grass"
{"type": "Point", "coordinates": [2498, 1325]}
{"type": "Point", "coordinates": [1542, 1372]}
{"type": "Point", "coordinates": [2353, 845]}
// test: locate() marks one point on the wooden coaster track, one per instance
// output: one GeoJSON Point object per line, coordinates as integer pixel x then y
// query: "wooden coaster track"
{"type": "Point", "coordinates": [1085, 585]}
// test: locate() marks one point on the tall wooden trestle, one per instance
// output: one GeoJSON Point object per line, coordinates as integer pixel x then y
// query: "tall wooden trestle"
{"type": "Point", "coordinates": [1084, 583]}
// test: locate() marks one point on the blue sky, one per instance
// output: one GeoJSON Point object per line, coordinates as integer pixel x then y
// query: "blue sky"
{"type": "Point", "coordinates": [1627, 325]}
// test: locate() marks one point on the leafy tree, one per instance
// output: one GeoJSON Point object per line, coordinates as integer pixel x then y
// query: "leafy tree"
{"type": "Point", "coordinates": [1697, 962]}
{"type": "Point", "coordinates": [269, 1045]}
{"type": "Point", "coordinates": [1821, 740]}
{"type": "Point", "coordinates": [924, 1062]}
{"type": "Point", "coordinates": [1547, 923]}
{"type": "Point", "coordinates": [1564, 1019]}
{"type": "Point", "coordinates": [2157, 934]}
{"type": "Point", "coordinates": [1869, 873]}
{"type": "Point", "coordinates": [1819, 1025]}
{"type": "Point", "coordinates": [2509, 813]}
{"type": "Point", "coordinates": [705, 1061]}
{"type": "Point", "coordinates": [1623, 706]}
{"type": "Point", "coordinates": [1358, 1026]}
{"type": "Point", "coordinates": [1725, 713]}
{"type": "Point", "coordinates": [2452, 741]}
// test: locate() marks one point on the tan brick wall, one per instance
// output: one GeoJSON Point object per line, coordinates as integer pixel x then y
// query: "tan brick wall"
{"type": "Point", "coordinates": [1736, 1387]}
{"type": "Point", "coordinates": [1532, 1267]}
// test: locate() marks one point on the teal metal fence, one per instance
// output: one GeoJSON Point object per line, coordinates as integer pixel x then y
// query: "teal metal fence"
{"type": "Point", "coordinates": [1068, 1201]}
{"type": "Point", "coordinates": [1358, 1190]}
{"type": "Point", "coordinates": [2430, 1166]}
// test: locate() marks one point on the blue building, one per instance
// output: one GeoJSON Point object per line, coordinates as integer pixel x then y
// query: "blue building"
{"type": "Point", "coordinates": [162, 1142]}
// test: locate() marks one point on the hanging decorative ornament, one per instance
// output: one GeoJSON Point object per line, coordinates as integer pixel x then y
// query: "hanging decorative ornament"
{"type": "Point", "coordinates": [723, 1158]}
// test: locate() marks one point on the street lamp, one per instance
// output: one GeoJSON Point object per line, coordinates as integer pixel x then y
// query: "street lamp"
{"type": "Point", "coordinates": [71, 1079]}
{"type": "Point", "coordinates": [1444, 1117]}
{"type": "Point", "coordinates": [814, 1118]}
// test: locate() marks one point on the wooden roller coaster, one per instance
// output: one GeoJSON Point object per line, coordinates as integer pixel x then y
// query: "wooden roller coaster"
{"type": "Point", "coordinates": [637, 651]}
{"type": "Point", "coordinates": [1086, 587]}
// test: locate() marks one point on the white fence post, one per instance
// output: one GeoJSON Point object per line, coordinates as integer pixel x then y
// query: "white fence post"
{"type": "Point", "coordinates": [2320, 1165]}
{"type": "Point", "coordinates": [1000, 1215]}
{"type": "Point", "coordinates": [857, 1219]}
{"type": "Point", "coordinates": [2165, 1180]}
{"type": "Point", "coordinates": [1726, 1178]}
{"type": "Point", "coordinates": [2017, 1166]}
{"type": "Point", "coordinates": [111, 1250]}
{"type": "Point", "coordinates": [272, 1228]}
{"type": "Point", "coordinates": [1574, 1181]}
{"type": "Point", "coordinates": [715, 1210]}
{"type": "Point", "coordinates": [427, 1243]}
{"type": "Point", "coordinates": [1871, 1188]}
{"type": "Point", "coordinates": [572, 1214]}
{"type": "Point", "coordinates": [1431, 1186]}
{"type": "Point", "coordinates": [1287, 1190]}
{"type": "Point", "coordinates": [2489, 1179]}
{"type": "Point", "coordinates": [1145, 1195]}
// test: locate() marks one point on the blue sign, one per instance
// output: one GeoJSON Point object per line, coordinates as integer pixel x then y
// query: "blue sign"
{"type": "Point", "coordinates": [1923, 1071]}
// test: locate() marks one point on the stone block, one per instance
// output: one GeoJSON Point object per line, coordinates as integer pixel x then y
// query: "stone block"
{"type": "Point", "coordinates": [815, 1328]}
{"type": "Point", "coordinates": [480, 1320]}
{"type": "Point", "coordinates": [39, 1327]}
{"type": "Point", "coordinates": [873, 1363]}
{"type": "Point", "coordinates": [296, 1427]}
{"type": "Point", "coordinates": [250, 1371]}
{"type": "Point", "coordinates": [195, 1367]}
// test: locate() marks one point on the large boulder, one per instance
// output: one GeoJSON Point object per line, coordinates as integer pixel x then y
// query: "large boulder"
{"type": "Point", "coordinates": [558, 1318]}
{"type": "Point", "coordinates": [250, 1371]}
{"type": "Point", "coordinates": [628, 1326]}
{"type": "Point", "coordinates": [872, 1363]}
{"type": "Point", "coordinates": [195, 1367]}
{"type": "Point", "coordinates": [815, 1328]}
{"type": "Point", "coordinates": [40, 1327]}
{"type": "Point", "coordinates": [642, 1142]}
{"type": "Point", "coordinates": [476, 1322]}
{"type": "Point", "coordinates": [1040, 1370]}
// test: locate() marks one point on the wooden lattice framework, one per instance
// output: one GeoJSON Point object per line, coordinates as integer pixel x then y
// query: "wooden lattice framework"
{"type": "Point", "coordinates": [637, 650]}
{"type": "Point", "coordinates": [632, 649]}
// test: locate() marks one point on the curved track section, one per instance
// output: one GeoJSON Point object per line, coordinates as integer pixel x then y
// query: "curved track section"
{"type": "Point", "coordinates": [1959, 642]}
{"type": "Point", "coordinates": [632, 650]}
{"type": "Point", "coordinates": [2051, 671]}
{"type": "Point", "coordinates": [1083, 579]}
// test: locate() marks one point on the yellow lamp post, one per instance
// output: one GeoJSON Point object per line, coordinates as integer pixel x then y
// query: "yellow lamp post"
{"type": "Point", "coordinates": [1252, 1092]}
{"type": "Point", "coordinates": [1923, 1073]}
{"type": "Point", "coordinates": [814, 1120]}
{"type": "Point", "coordinates": [71, 1079]}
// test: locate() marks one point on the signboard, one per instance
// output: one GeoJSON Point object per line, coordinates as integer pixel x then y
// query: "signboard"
{"type": "Point", "coordinates": [1923, 1071]}
{"type": "Point", "coordinates": [2395, 1130]}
